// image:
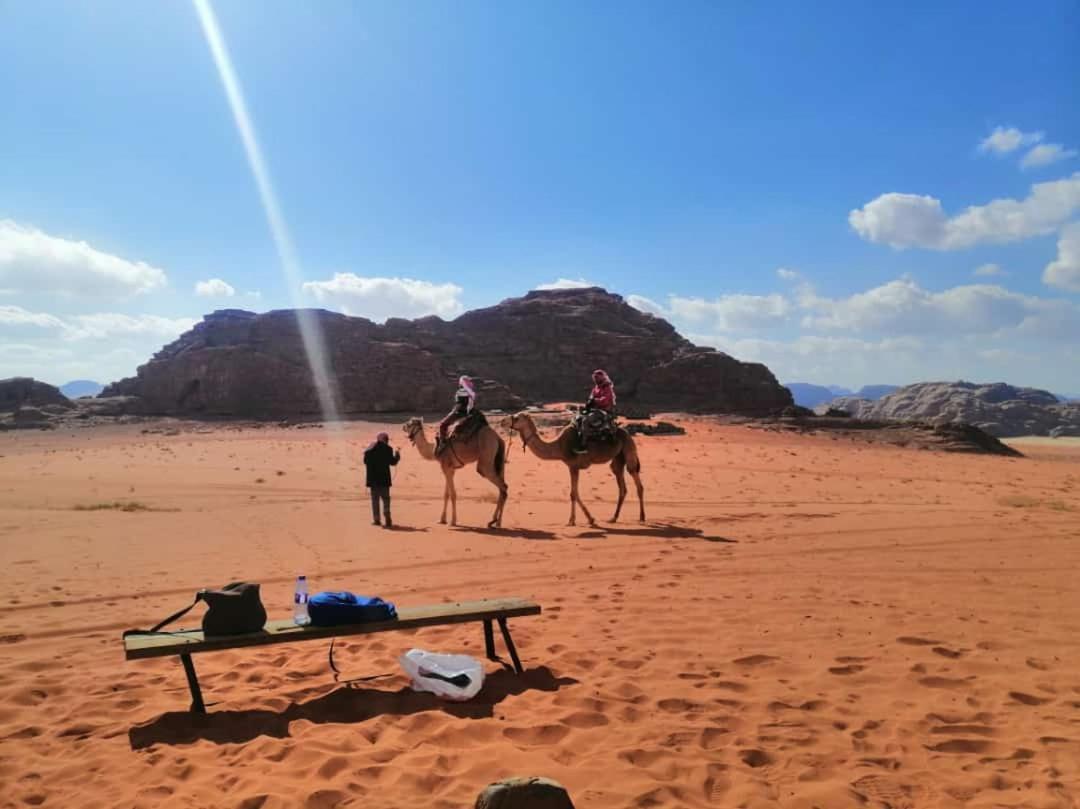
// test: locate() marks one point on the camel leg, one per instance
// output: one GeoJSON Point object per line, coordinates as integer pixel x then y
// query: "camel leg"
{"type": "Point", "coordinates": [636, 475]}
{"type": "Point", "coordinates": [618, 468]}
{"type": "Point", "coordinates": [575, 497]}
{"type": "Point", "coordinates": [504, 491]}
{"type": "Point", "coordinates": [453, 496]}
{"type": "Point", "coordinates": [447, 475]}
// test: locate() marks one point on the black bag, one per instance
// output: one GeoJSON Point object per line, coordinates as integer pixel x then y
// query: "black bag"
{"type": "Point", "coordinates": [235, 609]}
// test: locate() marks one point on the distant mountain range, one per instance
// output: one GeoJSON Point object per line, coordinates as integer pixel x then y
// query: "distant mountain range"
{"type": "Point", "coordinates": [997, 408]}
{"type": "Point", "coordinates": [81, 387]}
{"type": "Point", "coordinates": [810, 395]}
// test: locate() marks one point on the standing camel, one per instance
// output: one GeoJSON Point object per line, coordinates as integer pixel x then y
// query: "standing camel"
{"type": "Point", "coordinates": [621, 454]}
{"type": "Point", "coordinates": [484, 447]}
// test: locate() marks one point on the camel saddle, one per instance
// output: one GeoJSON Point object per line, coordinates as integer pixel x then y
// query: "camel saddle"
{"type": "Point", "coordinates": [597, 426]}
{"type": "Point", "coordinates": [468, 427]}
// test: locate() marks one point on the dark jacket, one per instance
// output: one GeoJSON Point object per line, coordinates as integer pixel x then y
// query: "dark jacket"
{"type": "Point", "coordinates": [378, 460]}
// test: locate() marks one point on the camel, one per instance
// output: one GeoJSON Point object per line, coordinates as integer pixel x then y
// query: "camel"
{"type": "Point", "coordinates": [485, 448]}
{"type": "Point", "coordinates": [622, 455]}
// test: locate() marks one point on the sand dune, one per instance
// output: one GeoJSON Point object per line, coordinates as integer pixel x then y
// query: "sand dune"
{"type": "Point", "coordinates": [803, 622]}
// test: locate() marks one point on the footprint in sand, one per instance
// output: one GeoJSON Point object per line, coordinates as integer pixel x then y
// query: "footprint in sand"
{"type": "Point", "coordinates": [755, 660]}
{"type": "Point", "coordinates": [944, 682]}
{"type": "Point", "coordinates": [846, 670]}
{"type": "Point", "coordinates": [912, 641]}
{"type": "Point", "coordinates": [961, 746]}
{"type": "Point", "coordinates": [755, 758]}
{"type": "Point", "coordinates": [952, 654]}
{"type": "Point", "coordinates": [1028, 699]}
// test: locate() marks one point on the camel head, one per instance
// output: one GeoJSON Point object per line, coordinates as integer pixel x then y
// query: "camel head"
{"type": "Point", "coordinates": [412, 428]}
{"type": "Point", "coordinates": [514, 421]}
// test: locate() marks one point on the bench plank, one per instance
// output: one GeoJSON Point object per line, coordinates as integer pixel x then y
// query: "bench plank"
{"type": "Point", "coordinates": [186, 642]}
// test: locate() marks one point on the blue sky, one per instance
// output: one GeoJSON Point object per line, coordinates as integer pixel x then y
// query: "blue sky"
{"type": "Point", "coordinates": [704, 158]}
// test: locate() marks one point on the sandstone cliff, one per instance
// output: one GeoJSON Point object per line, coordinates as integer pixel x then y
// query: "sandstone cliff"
{"type": "Point", "coordinates": [999, 409]}
{"type": "Point", "coordinates": [538, 348]}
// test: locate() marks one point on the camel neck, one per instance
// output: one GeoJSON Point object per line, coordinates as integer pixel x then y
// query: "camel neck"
{"type": "Point", "coordinates": [423, 446]}
{"type": "Point", "coordinates": [545, 450]}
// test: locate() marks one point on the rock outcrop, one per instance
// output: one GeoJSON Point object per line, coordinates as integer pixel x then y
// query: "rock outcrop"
{"type": "Point", "coordinates": [21, 391]}
{"type": "Point", "coordinates": [538, 348]}
{"type": "Point", "coordinates": [999, 409]}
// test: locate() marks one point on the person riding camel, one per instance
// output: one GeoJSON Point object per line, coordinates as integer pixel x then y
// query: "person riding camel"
{"type": "Point", "coordinates": [464, 404]}
{"type": "Point", "coordinates": [601, 398]}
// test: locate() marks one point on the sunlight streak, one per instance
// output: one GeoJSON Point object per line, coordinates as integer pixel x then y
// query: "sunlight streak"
{"type": "Point", "coordinates": [310, 334]}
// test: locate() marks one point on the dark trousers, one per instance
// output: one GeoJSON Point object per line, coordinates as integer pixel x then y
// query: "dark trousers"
{"type": "Point", "coordinates": [380, 493]}
{"type": "Point", "coordinates": [449, 419]}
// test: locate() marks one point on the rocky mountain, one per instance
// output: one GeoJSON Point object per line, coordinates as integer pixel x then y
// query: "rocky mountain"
{"type": "Point", "coordinates": [20, 391]}
{"type": "Point", "coordinates": [1000, 409]}
{"type": "Point", "coordinates": [874, 392]}
{"type": "Point", "coordinates": [539, 348]}
{"type": "Point", "coordinates": [81, 387]}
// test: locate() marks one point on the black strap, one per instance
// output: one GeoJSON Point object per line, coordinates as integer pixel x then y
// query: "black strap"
{"type": "Point", "coordinates": [157, 628]}
{"type": "Point", "coordinates": [333, 668]}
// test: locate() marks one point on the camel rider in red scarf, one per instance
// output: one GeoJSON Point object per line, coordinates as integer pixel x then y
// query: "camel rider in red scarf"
{"type": "Point", "coordinates": [464, 404]}
{"type": "Point", "coordinates": [602, 398]}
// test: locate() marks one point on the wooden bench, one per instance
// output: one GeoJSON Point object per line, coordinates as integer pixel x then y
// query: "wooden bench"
{"type": "Point", "coordinates": [185, 643]}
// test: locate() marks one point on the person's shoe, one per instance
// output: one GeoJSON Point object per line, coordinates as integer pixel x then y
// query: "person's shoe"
{"type": "Point", "coordinates": [374, 522]}
{"type": "Point", "coordinates": [389, 524]}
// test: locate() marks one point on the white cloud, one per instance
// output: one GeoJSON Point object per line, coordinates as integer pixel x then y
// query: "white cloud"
{"type": "Point", "coordinates": [104, 346]}
{"type": "Point", "coordinates": [567, 283]}
{"type": "Point", "coordinates": [380, 298]}
{"type": "Point", "coordinates": [731, 312]}
{"type": "Point", "coordinates": [33, 262]}
{"type": "Point", "coordinates": [109, 326]}
{"type": "Point", "coordinates": [1045, 154]}
{"type": "Point", "coordinates": [214, 288]}
{"type": "Point", "coordinates": [1064, 271]}
{"type": "Point", "coordinates": [902, 307]}
{"type": "Point", "coordinates": [11, 316]}
{"type": "Point", "coordinates": [909, 220]}
{"type": "Point", "coordinates": [788, 275]}
{"type": "Point", "coordinates": [988, 270]}
{"type": "Point", "coordinates": [1007, 139]}
{"type": "Point", "coordinates": [647, 305]}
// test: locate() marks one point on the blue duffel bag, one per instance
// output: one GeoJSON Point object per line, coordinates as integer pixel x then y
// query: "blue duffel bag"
{"type": "Point", "coordinates": [339, 608]}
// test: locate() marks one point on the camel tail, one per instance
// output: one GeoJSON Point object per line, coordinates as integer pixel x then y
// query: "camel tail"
{"type": "Point", "coordinates": [500, 459]}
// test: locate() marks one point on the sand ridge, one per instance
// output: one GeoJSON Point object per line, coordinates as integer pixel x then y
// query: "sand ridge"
{"type": "Point", "coordinates": [802, 622]}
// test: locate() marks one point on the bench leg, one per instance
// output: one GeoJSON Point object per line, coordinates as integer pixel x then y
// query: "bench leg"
{"type": "Point", "coordinates": [509, 641]}
{"type": "Point", "coordinates": [197, 704]}
{"type": "Point", "coordinates": [489, 640]}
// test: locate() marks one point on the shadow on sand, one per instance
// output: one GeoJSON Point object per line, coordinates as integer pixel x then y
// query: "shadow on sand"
{"type": "Point", "coordinates": [406, 529]}
{"type": "Point", "coordinates": [517, 533]}
{"type": "Point", "coordinates": [347, 704]}
{"type": "Point", "coordinates": [659, 530]}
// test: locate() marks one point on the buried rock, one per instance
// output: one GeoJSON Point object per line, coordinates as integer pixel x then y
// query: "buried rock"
{"type": "Point", "coordinates": [525, 793]}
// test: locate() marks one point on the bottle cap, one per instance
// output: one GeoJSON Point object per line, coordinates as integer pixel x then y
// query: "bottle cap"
{"type": "Point", "coordinates": [301, 577]}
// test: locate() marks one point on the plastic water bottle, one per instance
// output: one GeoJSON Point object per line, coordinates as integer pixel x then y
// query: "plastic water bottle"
{"type": "Point", "coordinates": [300, 615]}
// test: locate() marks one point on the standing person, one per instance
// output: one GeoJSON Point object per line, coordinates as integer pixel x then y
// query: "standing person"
{"type": "Point", "coordinates": [602, 397]}
{"type": "Point", "coordinates": [378, 458]}
{"type": "Point", "coordinates": [464, 404]}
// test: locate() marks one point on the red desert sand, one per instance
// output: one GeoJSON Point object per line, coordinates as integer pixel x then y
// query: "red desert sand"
{"type": "Point", "coordinates": [803, 622]}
